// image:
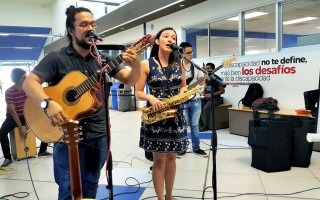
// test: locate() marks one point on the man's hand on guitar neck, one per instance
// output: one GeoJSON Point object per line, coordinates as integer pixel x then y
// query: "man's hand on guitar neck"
{"type": "Point", "coordinates": [131, 58]}
{"type": "Point", "coordinates": [56, 114]}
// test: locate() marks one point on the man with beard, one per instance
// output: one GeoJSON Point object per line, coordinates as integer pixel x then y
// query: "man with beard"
{"type": "Point", "coordinates": [52, 68]}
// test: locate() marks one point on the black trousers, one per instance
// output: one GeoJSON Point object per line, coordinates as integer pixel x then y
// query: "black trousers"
{"type": "Point", "coordinates": [206, 112]}
{"type": "Point", "coordinates": [8, 125]}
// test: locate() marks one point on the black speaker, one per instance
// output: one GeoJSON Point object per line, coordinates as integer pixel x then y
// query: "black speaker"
{"type": "Point", "coordinates": [302, 149]}
{"type": "Point", "coordinates": [271, 142]}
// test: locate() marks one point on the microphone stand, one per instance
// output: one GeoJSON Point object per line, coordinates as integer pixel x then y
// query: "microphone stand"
{"type": "Point", "coordinates": [106, 85]}
{"type": "Point", "coordinates": [214, 139]}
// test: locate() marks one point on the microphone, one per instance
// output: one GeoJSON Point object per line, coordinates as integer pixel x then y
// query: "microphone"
{"type": "Point", "coordinates": [175, 47]}
{"type": "Point", "coordinates": [313, 137]}
{"type": "Point", "coordinates": [93, 35]}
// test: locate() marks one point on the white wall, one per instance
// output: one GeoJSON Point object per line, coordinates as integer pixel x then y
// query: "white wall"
{"type": "Point", "coordinates": [59, 8]}
{"type": "Point", "coordinates": [45, 13]}
{"type": "Point", "coordinates": [25, 13]}
{"type": "Point", "coordinates": [286, 87]}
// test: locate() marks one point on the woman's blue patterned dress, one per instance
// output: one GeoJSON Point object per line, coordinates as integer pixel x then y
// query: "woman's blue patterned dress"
{"type": "Point", "coordinates": [169, 135]}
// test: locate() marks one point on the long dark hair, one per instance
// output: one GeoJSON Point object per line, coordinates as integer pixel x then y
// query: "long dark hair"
{"type": "Point", "coordinates": [71, 12]}
{"type": "Point", "coordinates": [173, 57]}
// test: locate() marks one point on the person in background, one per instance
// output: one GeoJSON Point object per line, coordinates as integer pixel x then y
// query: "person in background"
{"type": "Point", "coordinates": [192, 108]}
{"type": "Point", "coordinates": [15, 98]}
{"type": "Point", "coordinates": [43, 150]}
{"type": "Point", "coordinates": [93, 149]}
{"type": "Point", "coordinates": [206, 114]}
{"type": "Point", "coordinates": [167, 137]}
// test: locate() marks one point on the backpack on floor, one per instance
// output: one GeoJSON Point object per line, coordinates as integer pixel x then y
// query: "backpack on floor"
{"type": "Point", "coordinates": [253, 93]}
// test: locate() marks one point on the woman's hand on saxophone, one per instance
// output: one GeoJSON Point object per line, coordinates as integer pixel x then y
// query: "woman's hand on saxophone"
{"type": "Point", "coordinates": [184, 89]}
{"type": "Point", "coordinates": [156, 104]}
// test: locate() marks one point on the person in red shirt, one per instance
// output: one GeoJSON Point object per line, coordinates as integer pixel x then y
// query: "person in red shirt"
{"type": "Point", "coordinates": [15, 98]}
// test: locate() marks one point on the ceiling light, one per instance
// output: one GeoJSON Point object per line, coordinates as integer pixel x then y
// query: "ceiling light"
{"type": "Point", "coordinates": [22, 47]}
{"type": "Point", "coordinates": [248, 16]}
{"type": "Point", "coordinates": [299, 20]}
{"type": "Point", "coordinates": [39, 35]}
{"type": "Point", "coordinates": [30, 35]}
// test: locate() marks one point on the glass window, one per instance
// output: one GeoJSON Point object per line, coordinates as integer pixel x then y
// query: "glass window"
{"type": "Point", "coordinates": [301, 23]}
{"type": "Point", "coordinates": [197, 36]}
{"type": "Point", "coordinates": [259, 30]}
{"type": "Point", "coordinates": [224, 37]}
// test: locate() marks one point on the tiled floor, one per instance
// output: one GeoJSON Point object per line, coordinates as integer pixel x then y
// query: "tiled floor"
{"type": "Point", "coordinates": [236, 179]}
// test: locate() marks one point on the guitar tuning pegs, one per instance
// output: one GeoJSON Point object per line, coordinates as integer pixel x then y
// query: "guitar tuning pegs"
{"type": "Point", "coordinates": [80, 128]}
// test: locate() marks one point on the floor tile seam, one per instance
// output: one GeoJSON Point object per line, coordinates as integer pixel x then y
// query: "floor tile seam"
{"type": "Point", "coordinates": [263, 186]}
{"type": "Point", "coordinates": [207, 169]}
{"type": "Point", "coordinates": [28, 180]}
{"type": "Point", "coordinates": [318, 178]}
{"type": "Point", "coordinates": [247, 174]}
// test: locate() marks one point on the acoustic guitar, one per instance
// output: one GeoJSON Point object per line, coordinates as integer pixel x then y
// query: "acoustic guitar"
{"type": "Point", "coordinates": [76, 94]}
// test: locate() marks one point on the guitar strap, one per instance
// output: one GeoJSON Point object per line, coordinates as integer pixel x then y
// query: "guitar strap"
{"type": "Point", "coordinates": [192, 71]}
{"type": "Point", "coordinates": [189, 80]}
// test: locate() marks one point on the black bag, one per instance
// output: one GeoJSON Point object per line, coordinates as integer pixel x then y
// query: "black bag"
{"type": "Point", "coordinates": [269, 103]}
{"type": "Point", "coordinates": [302, 149]}
{"type": "Point", "coordinates": [254, 92]}
{"type": "Point", "coordinates": [271, 142]}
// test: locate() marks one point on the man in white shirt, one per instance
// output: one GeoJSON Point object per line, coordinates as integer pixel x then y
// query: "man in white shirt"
{"type": "Point", "coordinates": [192, 108]}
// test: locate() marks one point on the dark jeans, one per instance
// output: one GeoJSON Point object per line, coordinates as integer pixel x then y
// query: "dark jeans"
{"type": "Point", "coordinates": [92, 156]}
{"type": "Point", "coordinates": [206, 112]}
{"type": "Point", "coordinates": [8, 125]}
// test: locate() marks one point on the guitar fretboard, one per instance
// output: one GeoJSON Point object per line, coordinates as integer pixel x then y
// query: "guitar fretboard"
{"type": "Point", "coordinates": [91, 81]}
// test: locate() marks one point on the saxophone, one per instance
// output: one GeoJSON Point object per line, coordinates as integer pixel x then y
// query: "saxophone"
{"type": "Point", "coordinates": [149, 116]}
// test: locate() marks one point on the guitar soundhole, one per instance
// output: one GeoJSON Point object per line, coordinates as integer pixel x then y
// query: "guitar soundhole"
{"type": "Point", "coordinates": [71, 96]}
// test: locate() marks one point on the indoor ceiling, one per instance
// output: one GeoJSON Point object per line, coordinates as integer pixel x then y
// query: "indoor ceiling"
{"type": "Point", "coordinates": [25, 43]}
{"type": "Point", "coordinates": [26, 48]}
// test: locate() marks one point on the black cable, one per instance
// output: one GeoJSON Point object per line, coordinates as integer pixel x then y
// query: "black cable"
{"type": "Point", "coordinates": [26, 151]}
{"type": "Point", "coordinates": [235, 147]}
{"type": "Point", "coordinates": [203, 192]}
{"type": "Point", "coordinates": [125, 193]}
{"type": "Point", "coordinates": [20, 195]}
{"type": "Point", "coordinates": [17, 195]}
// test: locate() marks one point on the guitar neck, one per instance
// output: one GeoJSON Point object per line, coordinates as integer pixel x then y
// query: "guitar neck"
{"type": "Point", "coordinates": [202, 78]}
{"type": "Point", "coordinates": [114, 63]}
{"type": "Point", "coordinates": [216, 69]}
{"type": "Point", "coordinates": [92, 80]}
